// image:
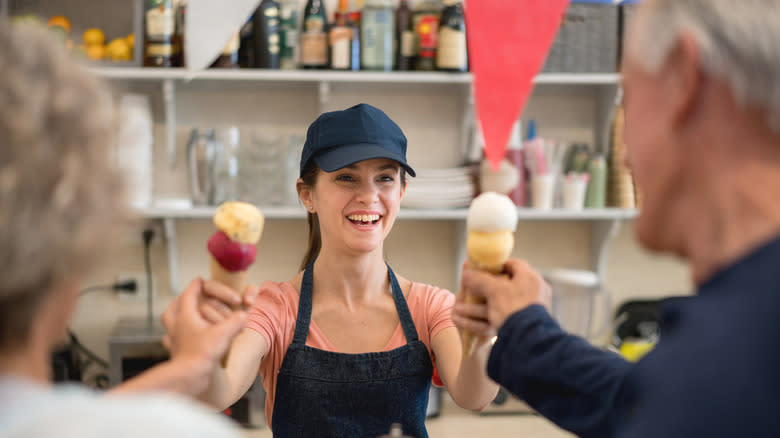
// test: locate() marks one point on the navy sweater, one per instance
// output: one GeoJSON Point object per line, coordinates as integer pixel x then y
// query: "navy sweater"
{"type": "Point", "coordinates": [714, 373]}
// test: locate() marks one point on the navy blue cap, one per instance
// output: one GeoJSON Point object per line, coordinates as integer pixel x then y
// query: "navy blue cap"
{"type": "Point", "coordinates": [338, 139]}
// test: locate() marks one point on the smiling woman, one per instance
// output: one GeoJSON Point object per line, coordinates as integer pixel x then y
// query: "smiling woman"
{"type": "Point", "coordinates": [347, 347]}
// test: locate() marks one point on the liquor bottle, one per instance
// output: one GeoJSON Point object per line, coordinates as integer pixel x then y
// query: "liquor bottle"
{"type": "Point", "coordinates": [229, 56]}
{"type": "Point", "coordinates": [288, 34]}
{"type": "Point", "coordinates": [404, 37]}
{"type": "Point", "coordinates": [265, 23]}
{"type": "Point", "coordinates": [314, 38]}
{"type": "Point", "coordinates": [425, 21]}
{"type": "Point", "coordinates": [340, 39]}
{"type": "Point", "coordinates": [160, 48]}
{"type": "Point", "coordinates": [246, 49]}
{"type": "Point", "coordinates": [451, 54]}
{"type": "Point", "coordinates": [377, 29]}
{"type": "Point", "coordinates": [181, 17]}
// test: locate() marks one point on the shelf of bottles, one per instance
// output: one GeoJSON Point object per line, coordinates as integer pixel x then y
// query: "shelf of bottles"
{"type": "Point", "coordinates": [363, 41]}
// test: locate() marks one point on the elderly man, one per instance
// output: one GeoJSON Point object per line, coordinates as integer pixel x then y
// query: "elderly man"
{"type": "Point", "coordinates": [60, 209]}
{"type": "Point", "coordinates": [702, 102]}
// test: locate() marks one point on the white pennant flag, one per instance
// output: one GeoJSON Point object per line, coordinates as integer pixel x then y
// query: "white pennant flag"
{"type": "Point", "coordinates": [210, 24]}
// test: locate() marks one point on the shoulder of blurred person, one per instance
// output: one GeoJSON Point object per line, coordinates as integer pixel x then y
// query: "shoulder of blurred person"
{"type": "Point", "coordinates": [30, 410]}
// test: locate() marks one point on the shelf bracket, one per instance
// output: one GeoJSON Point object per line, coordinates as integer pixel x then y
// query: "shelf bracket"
{"type": "Point", "coordinates": [169, 101]}
{"type": "Point", "coordinates": [602, 232]}
{"type": "Point", "coordinates": [169, 228]}
{"type": "Point", "coordinates": [324, 96]}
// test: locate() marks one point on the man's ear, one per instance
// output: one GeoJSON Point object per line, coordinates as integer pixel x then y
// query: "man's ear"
{"type": "Point", "coordinates": [684, 76]}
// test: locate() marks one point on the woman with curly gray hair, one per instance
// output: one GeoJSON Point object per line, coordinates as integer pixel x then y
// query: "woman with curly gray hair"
{"type": "Point", "coordinates": [60, 202]}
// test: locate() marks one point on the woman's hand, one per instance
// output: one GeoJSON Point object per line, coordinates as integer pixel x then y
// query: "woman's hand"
{"type": "Point", "coordinates": [472, 317]}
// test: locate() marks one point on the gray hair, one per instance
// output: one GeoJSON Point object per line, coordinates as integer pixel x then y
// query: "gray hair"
{"type": "Point", "coordinates": [739, 42]}
{"type": "Point", "coordinates": [60, 198]}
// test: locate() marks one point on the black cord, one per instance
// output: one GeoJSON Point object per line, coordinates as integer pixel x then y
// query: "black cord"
{"type": "Point", "coordinates": [127, 285]}
{"type": "Point", "coordinates": [148, 235]}
{"type": "Point", "coordinates": [86, 351]}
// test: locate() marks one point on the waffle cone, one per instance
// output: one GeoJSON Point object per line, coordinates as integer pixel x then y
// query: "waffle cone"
{"type": "Point", "coordinates": [487, 252]}
{"type": "Point", "coordinates": [235, 280]}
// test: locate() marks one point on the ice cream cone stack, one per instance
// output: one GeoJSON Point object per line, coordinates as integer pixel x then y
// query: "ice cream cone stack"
{"type": "Point", "coordinates": [621, 191]}
{"type": "Point", "coordinates": [491, 224]}
{"type": "Point", "coordinates": [232, 248]}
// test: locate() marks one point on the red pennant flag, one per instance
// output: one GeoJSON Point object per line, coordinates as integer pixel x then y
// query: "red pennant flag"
{"type": "Point", "coordinates": [508, 44]}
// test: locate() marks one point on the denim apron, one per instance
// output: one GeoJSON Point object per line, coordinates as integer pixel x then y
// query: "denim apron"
{"type": "Point", "coordinates": [321, 393]}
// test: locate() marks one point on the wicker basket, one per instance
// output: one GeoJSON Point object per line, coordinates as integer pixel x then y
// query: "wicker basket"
{"type": "Point", "coordinates": [587, 41]}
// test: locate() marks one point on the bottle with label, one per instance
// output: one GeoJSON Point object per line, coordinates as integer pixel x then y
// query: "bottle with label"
{"type": "Point", "coordinates": [425, 22]}
{"type": "Point", "coordinates": [452, 54]}
{"type": "Point", "coordinates": [340, 39]}
{"type": "Point", "coordinates": [229, 56]}
{"type": "Point", "coordinates": [288, 34]}
{"type": "Point", "coordinates": [377, 30]}
{"type": "Point", "coordinates": [246, 49]}
{"type": "Point", "coordinates": [181, 15]}
{"type": "Point", "coordinates": [314, 38]}
{"type": "Point", "coordinates": [160, 49]}
{"type": "Point", "coordinates": [404, 37]}
{"type": "Point", "coordinates": [265, 24]}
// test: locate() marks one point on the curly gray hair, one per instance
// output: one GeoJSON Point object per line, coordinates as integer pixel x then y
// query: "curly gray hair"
{"type": "Point", "coordinates": [738, 42]}
{"type": "Point", "coordinates": [60, 195]}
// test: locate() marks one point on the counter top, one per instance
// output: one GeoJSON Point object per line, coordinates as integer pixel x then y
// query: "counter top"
{"type": "Point", "coordinates": [456, 422]}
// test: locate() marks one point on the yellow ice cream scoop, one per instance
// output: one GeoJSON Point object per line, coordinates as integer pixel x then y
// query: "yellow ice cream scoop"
{"type": "Point", "coordinates": [489, 251]}
{"type": "Point", "coordinates": [241, 221]}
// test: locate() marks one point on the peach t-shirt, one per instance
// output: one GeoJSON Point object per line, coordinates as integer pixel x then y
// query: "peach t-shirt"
{"type": "Point", "coordinates": [276, 310]}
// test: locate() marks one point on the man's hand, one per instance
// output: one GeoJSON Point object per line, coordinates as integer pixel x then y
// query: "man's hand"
{"type": "Point", "coordinates": [196, 329]}
{"type": "Point", "coordinates": [521, 287]}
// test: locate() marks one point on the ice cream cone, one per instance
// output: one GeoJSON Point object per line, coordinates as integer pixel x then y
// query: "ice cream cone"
{"type": "Point", "coordinates": [232, 248]}
{"type": "Point", "coordinates": [491, 223]}
{"type": "Point", "coordinates": [235, 280]}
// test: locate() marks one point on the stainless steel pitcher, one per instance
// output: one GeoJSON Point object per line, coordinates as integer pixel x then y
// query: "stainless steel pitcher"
{"type": "Point", "coordinates": [202, 155]}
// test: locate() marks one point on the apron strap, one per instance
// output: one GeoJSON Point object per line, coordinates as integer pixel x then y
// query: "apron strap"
{"type": "Point", "coordinates": [407, 323]}
{"type": "Point", "coordinates": [305, 305]}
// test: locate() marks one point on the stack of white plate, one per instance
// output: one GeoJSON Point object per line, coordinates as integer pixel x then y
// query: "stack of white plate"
{"type": "Point", "coordinates": [439, 188]}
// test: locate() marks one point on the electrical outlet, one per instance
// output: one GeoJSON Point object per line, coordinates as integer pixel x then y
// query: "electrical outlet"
{"type": "Point", "coordinates": [141, 289]}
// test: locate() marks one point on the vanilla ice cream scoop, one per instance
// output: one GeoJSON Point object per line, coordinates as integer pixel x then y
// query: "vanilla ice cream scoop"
{"type": "Point", "coordinates": [241, 221]}
{"type": "Point", "coordinates": [491, 212]}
